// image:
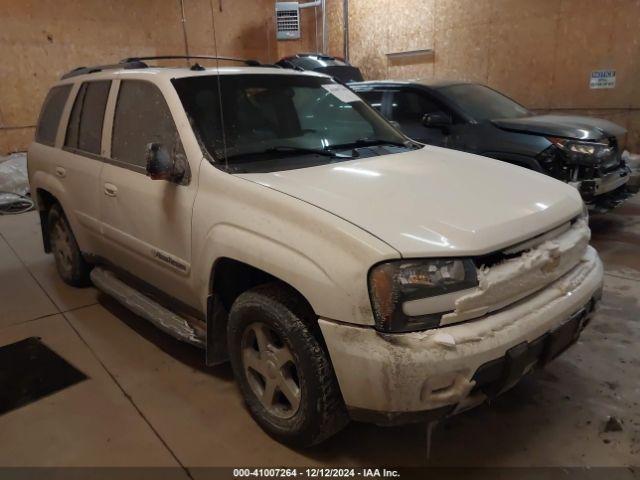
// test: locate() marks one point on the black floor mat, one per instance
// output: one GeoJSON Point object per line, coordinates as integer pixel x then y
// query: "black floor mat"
{"type": "Point", "coordinates": [29, 371]}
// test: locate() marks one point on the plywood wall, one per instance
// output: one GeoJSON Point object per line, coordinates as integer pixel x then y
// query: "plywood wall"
{"type": "Point", "coordinates": [42, 39]}
{"type": "Point", "coordinates": [540, 52]}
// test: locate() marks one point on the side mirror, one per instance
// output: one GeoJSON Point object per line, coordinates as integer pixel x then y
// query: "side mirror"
{"type": "Point", "coordinates": [162, 164]}
{"type": "Point", "coordinates": [436, 120]}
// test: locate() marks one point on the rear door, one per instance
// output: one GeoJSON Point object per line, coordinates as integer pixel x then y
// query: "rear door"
{"type": "Point", "coordinates": [78, 165]}
{"type": "Point", "coordinates": [146, 223]}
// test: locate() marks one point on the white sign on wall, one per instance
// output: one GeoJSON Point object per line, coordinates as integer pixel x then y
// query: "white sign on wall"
{"type": "Point", "coordinates": [602, 79]}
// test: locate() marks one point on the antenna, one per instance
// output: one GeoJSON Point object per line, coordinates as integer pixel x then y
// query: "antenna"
{"type": "Point", "coordinates": [215, 47]}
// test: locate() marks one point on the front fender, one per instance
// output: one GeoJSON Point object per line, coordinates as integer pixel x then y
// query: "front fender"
{"type": "Point", "coordinates": [320, 255]}
{"type": "Point", "coordinates": [327, 297]}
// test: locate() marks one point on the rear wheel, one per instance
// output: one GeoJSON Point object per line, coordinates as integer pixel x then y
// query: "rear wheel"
{"type": "Point", "coordinates": [283, 371]}
{"type": "Point", "coordinates": [72, 268]}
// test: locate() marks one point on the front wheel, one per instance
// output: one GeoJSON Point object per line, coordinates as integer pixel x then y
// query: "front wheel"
{"type": "Point", "coordinates": [283, 371]}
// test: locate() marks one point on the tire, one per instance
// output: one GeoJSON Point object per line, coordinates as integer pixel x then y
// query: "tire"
{"type": "Point", "coordinates": [275, 354]}
{"type": "Point", "coordinates": [72, 268]}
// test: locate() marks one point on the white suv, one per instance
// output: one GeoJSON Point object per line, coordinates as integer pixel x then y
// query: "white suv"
{"type": "Point", "coordinates": [275, 219]}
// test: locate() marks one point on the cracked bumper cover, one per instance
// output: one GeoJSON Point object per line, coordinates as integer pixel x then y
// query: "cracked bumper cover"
{"type": "Point", "coordinates": [596, 187]}
{"type": "Point", "coordinates": [399, 378]}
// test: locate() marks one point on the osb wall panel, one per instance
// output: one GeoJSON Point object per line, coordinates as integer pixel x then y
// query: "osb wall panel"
{"type": "Point", "coordinates": [369, 36]}
{"type": "Point", "coordinates": [540, 52]}
{"type": "Point", "coordinates": [603, 37]}
{"type": "Point", "coordinates": [417, 18]}
{"type": "Point", "coordinates": [243, 29]}
{"type": "Point", "coordinates": [15, 139]}
{"type": "Point", "coordinates": [633, 125]}
{"type": "Point", "coordinates": [42, 39]}
{"type": "Point", "coordinates": [335, 24]}
{"type": "Point", "coordinates": [519, 54]}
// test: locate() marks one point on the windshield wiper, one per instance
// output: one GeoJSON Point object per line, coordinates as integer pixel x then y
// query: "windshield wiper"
{"type": "Point", "coordinates": [369, 142]}
{"type": "Point", "coordinates": [317, 151]}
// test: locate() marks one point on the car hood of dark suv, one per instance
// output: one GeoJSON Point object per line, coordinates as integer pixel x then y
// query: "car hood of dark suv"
{"type": "Point", "coordinates": [567, 126]}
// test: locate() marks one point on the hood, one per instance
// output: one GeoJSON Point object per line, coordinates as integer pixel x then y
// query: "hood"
{"type": "Point", "coordinates": [568, 126]}
{"type": "Point", "coordinates": [433, 201]}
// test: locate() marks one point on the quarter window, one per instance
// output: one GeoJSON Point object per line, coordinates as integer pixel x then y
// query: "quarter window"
{"type": "Point", "coordinates": [84, 131]}
{"type": "Point", "coordinates": [142, 116]}
{"type": "Point", "coordinates": [51, 113]}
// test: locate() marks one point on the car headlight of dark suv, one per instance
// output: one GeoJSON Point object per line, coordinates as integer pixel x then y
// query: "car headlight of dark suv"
{"type": "Point", "coordinates": [584, 153]}
{"type": "Point", "coordinates": [409, 295]}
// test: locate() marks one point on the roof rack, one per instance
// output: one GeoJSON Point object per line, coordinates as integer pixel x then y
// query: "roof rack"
{"type": "Point", "coordinates": [98, 68]}
{"type": "Point", "coordinates": [138, 62]}
{"type": "Point", "coordinates": [249, 62]}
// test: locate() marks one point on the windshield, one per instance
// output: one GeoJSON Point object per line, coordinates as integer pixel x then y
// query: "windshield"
{"type": "Point", "coordinates": [279, 113]}
{"type": "Point", "coordinates": [482, 103]}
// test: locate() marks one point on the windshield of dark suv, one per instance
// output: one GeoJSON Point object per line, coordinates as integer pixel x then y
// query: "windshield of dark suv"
{"type": "Point", "coordinates": [266, 117]}
{"type": "Point", "coordinates": [483, 103]}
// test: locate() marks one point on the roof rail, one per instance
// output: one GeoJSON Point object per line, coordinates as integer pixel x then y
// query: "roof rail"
{"type": "Point", "coordinates": [249, 62]}
{"type": "Point", "coordinates": [98, 68]}
{"type": "Point", "coordinates": [138, 62]}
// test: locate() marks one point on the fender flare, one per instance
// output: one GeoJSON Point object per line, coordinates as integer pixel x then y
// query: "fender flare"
{"type": "Point", "coordinates": [52, 186]}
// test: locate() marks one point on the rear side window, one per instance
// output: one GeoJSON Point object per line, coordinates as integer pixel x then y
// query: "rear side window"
{"type": "Point", "coordinates": [142, 116]}
{"type": "Point", "coordinates": [84, 131]}
{"type": "Point", "coordinates": [51, 113]}
{"type": "Point", "coordinates": [373, 98]}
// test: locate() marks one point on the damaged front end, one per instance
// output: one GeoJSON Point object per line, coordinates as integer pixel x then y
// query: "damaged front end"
{"type": "Point", "coordinates": [530, 302]}
{"type": "Point", "coordinates": [595, 168]}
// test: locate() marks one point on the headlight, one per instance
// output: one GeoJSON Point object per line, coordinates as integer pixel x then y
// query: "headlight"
{"type": "Point", "coordinates": [412, 295]}
{"type": "Point", "coordinates": [583, 152]}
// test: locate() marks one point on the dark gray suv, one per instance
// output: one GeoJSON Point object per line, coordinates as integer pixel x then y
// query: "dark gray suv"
{"type": "Point", "coordinates": [582, 151]}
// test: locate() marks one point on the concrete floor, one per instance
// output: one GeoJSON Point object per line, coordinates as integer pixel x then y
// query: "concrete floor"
{"type": "Point", "coordinates": [149, 400]}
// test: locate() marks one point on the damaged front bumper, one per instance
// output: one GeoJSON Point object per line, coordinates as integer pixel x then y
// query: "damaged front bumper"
{"type": "Point", "coordinates": [399, 378]}
{"type": "Point", "coordinates": [606, 192]}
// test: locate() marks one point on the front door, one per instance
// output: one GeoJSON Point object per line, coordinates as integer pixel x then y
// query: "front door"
{"type": "Point", "coordinates": [146, 223]}
{"type": "Point", "coordinates": [407, 108]}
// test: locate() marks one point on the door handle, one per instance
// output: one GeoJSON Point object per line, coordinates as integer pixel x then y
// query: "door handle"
{"type": "Point", "coordinates": [110, 189]}
{"type": "Point", "coordinates": [61, 172]}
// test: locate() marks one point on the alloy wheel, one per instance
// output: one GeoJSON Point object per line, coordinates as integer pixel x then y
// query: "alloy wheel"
{"type": "Point", "coordinates": [271, 370]}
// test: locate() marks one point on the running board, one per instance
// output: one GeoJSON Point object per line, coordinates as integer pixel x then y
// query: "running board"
{"type": "Point", "coordinates": [147, 308]}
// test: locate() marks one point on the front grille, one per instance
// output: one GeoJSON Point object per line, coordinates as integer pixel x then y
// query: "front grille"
{"type": "Point", "coordinates": [525, 268]}
{"type": "Point", "coordinates": [491, 259]}
{"type": "Point", "coordinates": [494, 258]}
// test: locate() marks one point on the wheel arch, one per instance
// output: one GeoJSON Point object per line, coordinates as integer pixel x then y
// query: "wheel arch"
{"type": "Point", "coordinates": [230, 278]}
{"type": "Point", "coordinates": [45, 200]}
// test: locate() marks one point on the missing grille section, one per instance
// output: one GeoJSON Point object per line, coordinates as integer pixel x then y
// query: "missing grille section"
{"type": "Point", "coordinates": [515, 251]}
{"type": "Point", "coordinates": [29, 371]}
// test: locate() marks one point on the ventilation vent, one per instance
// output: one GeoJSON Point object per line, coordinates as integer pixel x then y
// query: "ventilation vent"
{"type": "Point", "coordinates": [287, 20]}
